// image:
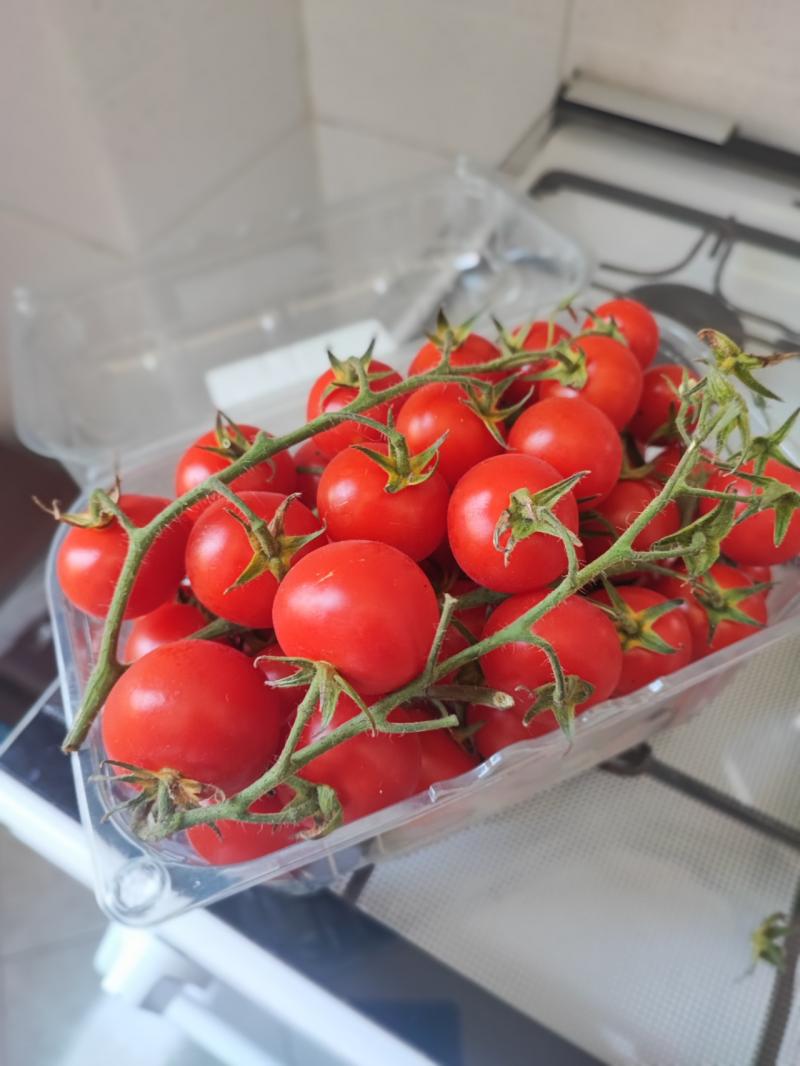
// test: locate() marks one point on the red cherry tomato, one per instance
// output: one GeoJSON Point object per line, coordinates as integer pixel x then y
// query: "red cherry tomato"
{"type": "Point", "coordinates": [310, 462]}
{"type": "Point", "coordinates": [541, 335]}
{"type": "Point", "coordinates": [434, 410]}
{"type": "Point", "coordinates": [195, 707]}
{"type": "Point", "coordinates": [442, 757]}
{"type": "Point", "coordinates": [477, 503]}
{"type": "Point", "coordinates": [354, 504]}
{"type": "Point", "coordinates": [321, 401]}
{"type": "Point", "coordinates": [658, 405]}
{"type": "Point", "coordinates": [757, 574]}
{"type": "Point", "coordinates": [473, 351]}
{"type": "Point", "coordinates": [711, 589]}
{"type": "Point", "coordinates": [621, 508]}
{"type": "Point", "coordinates": [572, 435]}
{"type": "Point", "coordinates": [635, 323]}
{"type": "Point", "coordinates": [501, 728]}
{"type": "Point", "coordinates": [665, 462]}
{"type": "Point", "coordinates": [197, 463]}
{"type": "Point", "coordinates": [363, 606]}
{"type": "Point", "coordinates": [614, 382]}
{"type": "Point", "coordinates": [167, 623]}
{"type": "Point", "coordinates": [368, 771]}
{"type": "Point", "coordinates": [583, 636]}
{"type": "Point", "coordinates": [641, 665]}
{"type": "Point", "coordinates": [90, 560]}
{"type": "Point", "coordinates": [752, 541]}
{"type": "Point", "coordinates": [219, 551]}
{"type": "Point", "coordinates": [233, 842]}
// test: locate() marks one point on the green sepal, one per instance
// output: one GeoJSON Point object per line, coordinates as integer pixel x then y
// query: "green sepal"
{"type": "Point", "coordinates": [768, 447]}
{"type": "Point", "coordinates": [273, 550]}
{"type": "Point", "coordinates": [699, 543]}
{"type": "Point", "coordinates": [329, 816]}
{"type": "Point", "coordinates": [635, 628]}
{"type": "Point", "coordinates": [730, 359]}
{"type": "Point", "coordinates": [531, 512]}
{"type": "Point", "coordinates": [97, 514]}
{"type": "Point", "coordinates": [570, 366]}
{"type": "Point", "coordinates": [576, 692]}
{"type": "Point", "coordinates": [484, 399]}
{"type": "Point", "coordinates": [776, 496]}
{"type": "Point", "coordinates": [403, 470]}
{"type": "Point", "coordinates": [720, 604]}
{"type": "Point", "coordinates": [354, 371]}
{"type": "Point", "coordinates": [447, 337]}
{"type": "Point", "coordinates": [768, 941]}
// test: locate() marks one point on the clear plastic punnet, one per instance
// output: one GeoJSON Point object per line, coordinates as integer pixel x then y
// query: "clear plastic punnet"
{"type": "Point", "coordinates": [121, 378]}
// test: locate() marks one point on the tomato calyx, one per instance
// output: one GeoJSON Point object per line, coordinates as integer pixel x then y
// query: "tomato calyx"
{"type": "Point", "coordinates": [484, 399]}
{"type": "Point", "coordinates": [532, 512]}
{"type": "Point", "coordinates": [447, 337]}
{"type": "Point", "coordinates": [636, 628]}
{"type": "Point", "coordinates": [721, 604]}
{"type": "Point", "coordinates": [402, 469]}
{"type": "Point", "coordinates": [231, 442]}
{"type": "Point", "coordinates": [762, 449]}
{"type": "Point", "coordinates": [327, 683]}
{"type": "Point", "coordinates": [699, 544]}
{"type": "Point", "coordinates": [568, 365]}
{"type": "Point", "coordinates": [562, 697]}
{"type": "Point", "coordinates": [101, 509]}
{"type": "Point", "coordinates": [775, 496]}
{"type": "Point", "coordinates": [731, 360]}
{"type": "Point", "coordinates": [160, 794]}
{"type": "Point", "coordinates": [273, 548]}
{"type": "Point", "coordinates": [354, 371]}
{"type": "Point", "coordinates": [604, 327]}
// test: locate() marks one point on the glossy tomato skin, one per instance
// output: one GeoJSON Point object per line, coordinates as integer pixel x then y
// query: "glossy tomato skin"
{"type": "Point", "coordinates": [614, 382]}
{"type": "Point", "coordinates": [500, 728]}
{"type": "Point", "coordinates": [583, 636]}
{"type": "Point", "coordinates": [641, 665]}
{"type": "Point", "coordinates": [635, 322]}
{"type": "Point", "coordinates": [727, 632]}
{"type": "Point", "coordinates": [476, 505]}
{"type": "Point", "coordinates": [196, 464]}
{"type": "Point", "coordinates": [541, 335]}
{"type": "Point", "coordinates": [354, 505]}
{"type": "Point", "coordinates": [367, 771]}
{"type": "Point", "coordinates": [164, 625]}
{"type": "Point", "coordinates": [363, 606]}
{"type": "Point", "coordinates": [753, 541]}
{"type": "Point", "coordinates": [658, 404]}
{"type": "Point", "coordinates": [472, 352]}
{"type": "Point", "coordinates": [436, 409]}
{"type": "Point", "coordinates": [309, 462]}
{"type": "Point", "coordinates": [333, 440]}
{"type": "Point", "coordinates": [441, 756]}
{"type": "Point", "coordinates": [89, 561]}
{"type": "Point", "coordinates": [622, 507]}
{"type": "Point", "coordinates": [219, 551]}
{"type": "Point", "coordinates": [196, 707]}
{"type": "Point", "coordinates": [235, 842]}
{"type": "Point", "coordinates": [572, 436]}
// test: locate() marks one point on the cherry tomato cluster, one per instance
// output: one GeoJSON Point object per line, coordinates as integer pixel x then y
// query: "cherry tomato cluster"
{"type": "Point", "coordinates": [340, 554]}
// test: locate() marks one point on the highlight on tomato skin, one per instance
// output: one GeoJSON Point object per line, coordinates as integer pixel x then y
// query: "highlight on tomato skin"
{"type": "Point", "coordinates": [166, 624]}
{"type": "Point", "coordinates": [217, 722]}
{"type": "Point", "coordinates": [90, 560]}
{"type": "Point", "coordinates": [332, 607]}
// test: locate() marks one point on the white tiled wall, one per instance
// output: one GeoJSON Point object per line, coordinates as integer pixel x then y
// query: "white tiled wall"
{"type": "Point", "coordinates": [444, 75]}
{"type": "Point", "coordinates": [119, 121]}
{"type": "Point", "coordinates": [738, 57]}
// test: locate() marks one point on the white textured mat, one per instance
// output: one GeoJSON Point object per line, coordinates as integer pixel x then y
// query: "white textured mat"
{"type": "Point", "coordinates": [617, 911]}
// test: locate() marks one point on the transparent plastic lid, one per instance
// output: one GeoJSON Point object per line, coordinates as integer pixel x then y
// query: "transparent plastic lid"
{"type": "Point", "coordinates": [106, 374]}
